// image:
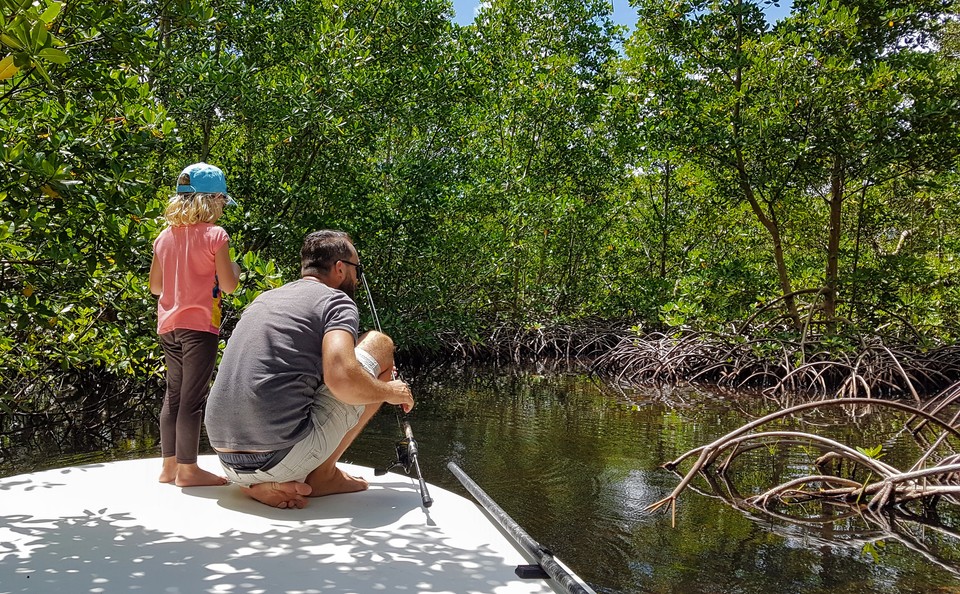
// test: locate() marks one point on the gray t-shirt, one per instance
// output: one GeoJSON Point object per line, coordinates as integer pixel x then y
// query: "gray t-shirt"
{"type": "Point", "coordinates": [272, 366]}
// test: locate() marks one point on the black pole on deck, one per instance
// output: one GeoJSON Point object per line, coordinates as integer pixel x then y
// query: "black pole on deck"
{"type": "Point", "coordinates": [544, 557]}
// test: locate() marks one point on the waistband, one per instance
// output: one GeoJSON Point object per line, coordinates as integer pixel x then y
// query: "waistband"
{"type": "Point", "coordinates": [250, 462]}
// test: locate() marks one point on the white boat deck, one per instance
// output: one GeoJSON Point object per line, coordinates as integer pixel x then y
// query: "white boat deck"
{"type": "Point", "coordinates": [112, 527]}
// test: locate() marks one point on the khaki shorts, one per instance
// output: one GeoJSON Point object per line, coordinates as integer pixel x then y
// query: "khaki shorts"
{"type": "Point", "coordinates": [331, 420]}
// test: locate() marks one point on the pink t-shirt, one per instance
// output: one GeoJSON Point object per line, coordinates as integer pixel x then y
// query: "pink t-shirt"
{"type": "Point", "coordinates": [190, 299]}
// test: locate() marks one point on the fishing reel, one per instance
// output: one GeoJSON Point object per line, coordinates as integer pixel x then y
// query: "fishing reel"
{"type": "Point", "coordinates": [407, 459]}
{"type": "Point", "coordinates": [404, 458]}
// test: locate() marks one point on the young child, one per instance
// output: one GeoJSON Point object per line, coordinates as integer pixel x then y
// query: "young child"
{"type": "Point", "coordinates": [191, 267]}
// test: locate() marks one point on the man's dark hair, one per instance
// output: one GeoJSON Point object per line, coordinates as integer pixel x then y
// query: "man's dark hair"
{"type": "Point", "coordinates": [322, 249]}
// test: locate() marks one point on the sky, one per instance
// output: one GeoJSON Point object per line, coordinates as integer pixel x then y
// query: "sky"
{"type": "Point", "coordinates": [623, 14]}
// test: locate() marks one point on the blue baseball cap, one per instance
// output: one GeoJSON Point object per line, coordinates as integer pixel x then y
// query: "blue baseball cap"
{"type": "Point", "coordinates": [203, 178]}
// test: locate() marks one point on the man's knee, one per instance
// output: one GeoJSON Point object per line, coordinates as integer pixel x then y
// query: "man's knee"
{"type": "Point", "coordinates": [377, 344]}
{"type": "Point", "coordinates": [380, 347]}
{"type": "Point", "coordinates": [376, 338]}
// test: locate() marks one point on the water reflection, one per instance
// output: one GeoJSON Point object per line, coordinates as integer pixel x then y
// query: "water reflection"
{"type": "Point", "coordinates": [576, 463]}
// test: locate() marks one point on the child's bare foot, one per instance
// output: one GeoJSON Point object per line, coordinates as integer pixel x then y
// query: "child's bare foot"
{"type": "Point", "coordinates": [168, 473]}
{"type": "Point", "coordinates": [191, 475]}
{"type": "Point", "coordinates": [287, 495]}
{"type": "Point", "coordinates": [336, 482]}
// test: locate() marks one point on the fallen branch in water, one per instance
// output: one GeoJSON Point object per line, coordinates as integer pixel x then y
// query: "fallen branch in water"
{"type": "Point", "coordinates": [893, 486]}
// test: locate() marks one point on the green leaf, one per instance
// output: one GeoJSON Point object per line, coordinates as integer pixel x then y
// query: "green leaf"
{"type": "Point", "coordinates": [7, 68]}
{"type": "Point", "coordinates": [873, 453]}
{"type": "Point", "coordinates": [10, 41]}
{"type": "Point", "coordinates": [54, 55]}
{"type": "Point", "coordinates": [38, 35]}
{"type": "Point", "coordinates": [43, 73]}
{"type": "Point", "coordinates": [52, 12]}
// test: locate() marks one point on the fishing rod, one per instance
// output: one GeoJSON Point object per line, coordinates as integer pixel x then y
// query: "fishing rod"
{"type": "Point", "coordinates": [547, 565]}
{"type": "Point", "coordinates": [407, 452]}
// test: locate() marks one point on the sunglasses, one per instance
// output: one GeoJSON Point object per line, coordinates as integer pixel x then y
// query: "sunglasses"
{"type": "Point", "coordinates": [357, 265]}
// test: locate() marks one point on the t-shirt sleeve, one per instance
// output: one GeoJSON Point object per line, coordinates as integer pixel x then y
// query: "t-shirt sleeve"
{"type": "Point", "coordinates": [160, 236]}
{"type": "Point", "coordinates": [217, 236]}
{"type": "Point", "coordinates": [342, 314]}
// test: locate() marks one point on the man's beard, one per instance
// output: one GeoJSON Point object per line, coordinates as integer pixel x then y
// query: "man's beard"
{"type": "Point", "coordinates": [349, 287]}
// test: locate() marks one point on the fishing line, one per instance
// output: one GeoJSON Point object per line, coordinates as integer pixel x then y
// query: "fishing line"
{"type": "Point", "coordinates": [407, 452]}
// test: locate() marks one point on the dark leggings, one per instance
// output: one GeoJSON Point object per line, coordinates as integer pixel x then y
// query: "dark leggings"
{"type": "Point", "coordinates": [190, 356]}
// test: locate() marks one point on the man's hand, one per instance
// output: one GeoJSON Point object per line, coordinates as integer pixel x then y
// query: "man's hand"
{"type": "Point", "coordinates": [400, 395]}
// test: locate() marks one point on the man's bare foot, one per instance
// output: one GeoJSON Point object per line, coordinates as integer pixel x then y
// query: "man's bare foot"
{"type": "Point", "coordinates": [337, 482]}
{"type": "Point", "coordinates": [168, 473]}
{"type": "Point", "coordinates": [191, 475]}
{"type": "Point", "coordinates": [287, 495]}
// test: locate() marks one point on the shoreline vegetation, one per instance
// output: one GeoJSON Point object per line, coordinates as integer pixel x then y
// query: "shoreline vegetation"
{"type": "Point", "coordinates": [770, 362]}
{"type": "Point", "coordinates": [711, 199]}
{"type": "Point", "coordinates": [867, 367]}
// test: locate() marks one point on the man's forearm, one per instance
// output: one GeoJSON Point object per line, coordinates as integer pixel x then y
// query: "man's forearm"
{"type": "Point", "coordinates": [357, 387]}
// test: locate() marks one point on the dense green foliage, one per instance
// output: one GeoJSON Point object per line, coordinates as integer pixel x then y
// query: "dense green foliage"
{"type": "Point", "coordinates": [533, 169]}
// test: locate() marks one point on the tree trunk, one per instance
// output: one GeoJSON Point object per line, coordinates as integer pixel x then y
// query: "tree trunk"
{"type": "Point", "coordinates": [769, 222]}
{"type": "Point", "coordinates": [835, 201]}
{"type": "Point", "coordinates": [773, 228]}
{"type": "Point", "coordinates": [665, 229]}
{"type": "Point", "coordinates": [854, 290]}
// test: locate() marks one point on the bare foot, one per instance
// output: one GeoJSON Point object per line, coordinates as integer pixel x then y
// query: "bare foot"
{"type": "Point", "coordinates": [337, 482]}
{"type": "Point", "coordinates": [287, 495]}
{"type": "Point", "coordinates": [168, 473]}
{"type": "Point", "coordinates": [191, 475]}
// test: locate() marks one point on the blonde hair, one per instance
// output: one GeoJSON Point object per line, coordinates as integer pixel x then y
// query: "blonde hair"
{"type": "Point", "coordinates": [193, 208]}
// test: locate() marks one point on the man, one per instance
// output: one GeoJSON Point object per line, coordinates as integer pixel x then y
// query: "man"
{"type": "Point", "coordinates": [292, 391]}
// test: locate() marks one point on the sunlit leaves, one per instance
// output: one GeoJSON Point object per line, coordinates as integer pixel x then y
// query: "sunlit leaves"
{"type": "Point", "coordinates": [540, 144]}
{"type": "Point", "coordinates": [24, 28]}
{"type": "Point", "coordinates": [776, 117]}
{"type": "Point", "coordinates": [77, 152]}
{"type": "Point", "coordinates": [521, 169]}
{"type": "Point", "coordinates": [874, 453]}
{"type": "Point", "coordinates": [7, 68]}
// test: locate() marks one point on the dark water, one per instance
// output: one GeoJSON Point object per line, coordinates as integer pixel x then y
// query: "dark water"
{"type": "Point", "coordinates": [575, 463]}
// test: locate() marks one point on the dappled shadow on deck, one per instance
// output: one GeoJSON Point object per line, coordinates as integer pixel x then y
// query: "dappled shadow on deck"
{"type": "Point", "coordinates": [220, 541]}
